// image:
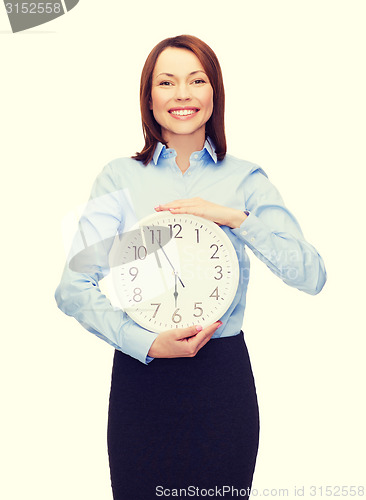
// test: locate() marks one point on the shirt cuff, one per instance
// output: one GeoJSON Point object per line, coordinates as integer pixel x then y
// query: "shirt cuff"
{"type": "Point", "coordinates": [137, 341]}
{"type": "Point", "coordinates": [248, 229]}
{"type": "Point", "coordinates": [254, 233]}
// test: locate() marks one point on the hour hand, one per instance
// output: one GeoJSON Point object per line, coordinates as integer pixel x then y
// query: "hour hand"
{"type": "Point", "coordinates": [175, 288]}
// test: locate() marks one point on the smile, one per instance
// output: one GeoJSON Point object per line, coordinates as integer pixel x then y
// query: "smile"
{"type": "Point", "coordinates": [183, 112]}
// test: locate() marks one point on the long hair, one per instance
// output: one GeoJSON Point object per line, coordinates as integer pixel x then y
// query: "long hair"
{"type": "Point", "coordinates": [215, 127]}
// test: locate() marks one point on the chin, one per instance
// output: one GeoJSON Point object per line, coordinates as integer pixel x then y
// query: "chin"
{"type": "Point", "coordinates": [185, 129]}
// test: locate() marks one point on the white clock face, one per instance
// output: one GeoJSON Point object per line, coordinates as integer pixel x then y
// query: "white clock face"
{"type": "Point", "coordinates": [175, 271]}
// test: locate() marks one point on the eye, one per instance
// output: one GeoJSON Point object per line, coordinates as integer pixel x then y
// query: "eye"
{"type": "Point", "coordinates": [165, 84]}
{"type": "Point", "coordinates": [198, 81]}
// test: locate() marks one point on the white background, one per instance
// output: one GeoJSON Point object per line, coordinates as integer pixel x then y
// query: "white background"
{"type": "Point", "coordinates": [294, 73]}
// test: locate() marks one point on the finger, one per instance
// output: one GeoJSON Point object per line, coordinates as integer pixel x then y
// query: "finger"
{"type": "Point", "coordinates": [159, 209]}
{"type": "Point", "coordinates": [182, 333]}
{"type": "Point", "coordinates": [194, 210]}
{"type": "Point", "coordinates": [207, 334]}
{"type": "Point", "coordinates": [184, 210]}
{"type": "Point", "coordinates": [203, 336]}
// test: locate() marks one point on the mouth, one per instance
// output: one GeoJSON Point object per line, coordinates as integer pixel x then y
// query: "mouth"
{"type": "Point", "coordinates": [183, 112]}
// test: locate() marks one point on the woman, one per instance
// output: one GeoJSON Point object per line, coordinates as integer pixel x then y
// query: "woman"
{"type": "Point", "coordinates": [183, 410]}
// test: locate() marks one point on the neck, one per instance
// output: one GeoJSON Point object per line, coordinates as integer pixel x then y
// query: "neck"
{"type": "Point", "coordinates": [185, 145]}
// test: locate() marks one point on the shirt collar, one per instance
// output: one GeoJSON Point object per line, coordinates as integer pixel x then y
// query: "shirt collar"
{"type": "Point", "coordinates": [208, 146]}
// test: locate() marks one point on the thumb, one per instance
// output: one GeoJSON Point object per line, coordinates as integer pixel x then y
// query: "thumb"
{"type": "Point", "coordinates": [182, 333]}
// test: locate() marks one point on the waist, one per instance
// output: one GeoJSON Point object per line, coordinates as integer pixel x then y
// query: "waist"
{"type": "Point", "coordinates": [217, 351]}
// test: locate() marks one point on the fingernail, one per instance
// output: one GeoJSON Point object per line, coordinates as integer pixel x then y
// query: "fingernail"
{"type": "Point", "coordinates": [198, 328]}
{"type": "Point", "coordinates": [219, 323]}
{"type": "Point", "coordinates": [156, 208]}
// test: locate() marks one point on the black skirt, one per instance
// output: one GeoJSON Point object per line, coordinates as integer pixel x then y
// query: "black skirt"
{"type": "Point", "coordinates": [183, 423]}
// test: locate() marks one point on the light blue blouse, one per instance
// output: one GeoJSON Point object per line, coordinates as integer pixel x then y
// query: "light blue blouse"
{"type": "Point", "coordinates": [126, 191]}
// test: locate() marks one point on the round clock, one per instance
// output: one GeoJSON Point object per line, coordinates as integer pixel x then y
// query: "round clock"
{"type": "Point", "coordinates": [175, 271]}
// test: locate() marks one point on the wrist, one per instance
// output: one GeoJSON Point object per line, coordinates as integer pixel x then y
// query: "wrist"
{"type": "Point", "coordinates": [237, 219]}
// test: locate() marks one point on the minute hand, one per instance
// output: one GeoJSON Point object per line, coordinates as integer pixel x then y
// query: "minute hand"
{"type": "Point", "coordinates": [167, 258]}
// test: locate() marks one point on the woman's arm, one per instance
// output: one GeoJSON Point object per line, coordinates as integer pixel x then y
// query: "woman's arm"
{"type": "Point", "coordinates": [78, 293]}
{"type": "Point", "coordinates": [182, 342]}
{"type": "Point", "coordinates": [274, 235]}
{"type": "Point", "coordinates": [108, 213]}
{"type": "Point", "coordinates": [270, 231]}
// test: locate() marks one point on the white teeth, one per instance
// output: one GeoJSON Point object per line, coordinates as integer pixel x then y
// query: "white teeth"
{"type": "Point", "coordinates": [183, 112]}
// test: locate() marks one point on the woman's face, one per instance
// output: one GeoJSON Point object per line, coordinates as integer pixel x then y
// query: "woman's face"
{"type": "Point", "coordinates": [181, 94]}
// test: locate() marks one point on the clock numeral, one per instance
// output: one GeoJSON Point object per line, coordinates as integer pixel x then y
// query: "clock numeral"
{"type": "Point", "coordinates": [176, 226]}
{"type": "Point", "coordinates": [140, 252]}
{"type": "Point", "coordinates": [219, 272]}
{"type": "Point", "coordinates": [133, 272]}
{"type": "Point", "coordinates": [157, 309]}
{"type": "Point", "coordinates": [137, 297]}
{"type": "Point", "coordinates": [177, 318]}
{"type": "Point", "coordinates": [198, 309]}
{"type": "Point", "coordinates": [152, 231]}
{"type": "Point", "coordinates": [214, 256]}
{"type": "Point", "coordinates": [197, 235]}
{"type": "Point", "coordinates": [215, 293]}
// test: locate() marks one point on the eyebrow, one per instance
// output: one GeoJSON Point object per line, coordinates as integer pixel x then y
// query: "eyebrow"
{"type": "Point", "coordinates": [192, 73]}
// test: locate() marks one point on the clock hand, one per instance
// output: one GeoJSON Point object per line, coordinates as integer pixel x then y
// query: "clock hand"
{"type": "Point", "coordinates": [175, 272]}
{"type": "Point", "coordinates": [175, 289]}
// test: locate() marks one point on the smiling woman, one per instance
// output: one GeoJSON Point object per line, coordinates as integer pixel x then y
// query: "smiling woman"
{"type": "Point", "coordinates": [183, 407]}
{"type": "Point", "coordinates": [182, 73]}
{"type": "Point", "coordinates": [181, 101]}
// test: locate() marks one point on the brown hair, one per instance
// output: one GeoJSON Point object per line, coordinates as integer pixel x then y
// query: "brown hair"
{"type": "Point", "coordinates": [215, 127]}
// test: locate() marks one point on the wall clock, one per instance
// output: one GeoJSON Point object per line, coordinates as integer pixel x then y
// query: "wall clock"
{"type": "Point", "coordinates": [174, 271]}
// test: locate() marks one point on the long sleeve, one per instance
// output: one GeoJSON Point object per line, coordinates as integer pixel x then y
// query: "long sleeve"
{"type": "Point", "coordinates": [275, 237]}
{"type": "Point", "coordinates": [107, 213]}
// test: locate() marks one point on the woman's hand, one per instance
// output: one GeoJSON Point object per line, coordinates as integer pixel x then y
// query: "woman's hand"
{"type": "Point", "coordinates": [182, 342]}
{"type": "Point", "coordinates": [223, 216]}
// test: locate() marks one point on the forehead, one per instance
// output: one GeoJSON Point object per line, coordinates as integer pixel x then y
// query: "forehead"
{"type": "Point", "coordinates": [176, 61]}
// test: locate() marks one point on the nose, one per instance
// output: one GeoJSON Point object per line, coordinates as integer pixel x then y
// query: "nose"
{"type": "Point", "coordinates": [182, 92]}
